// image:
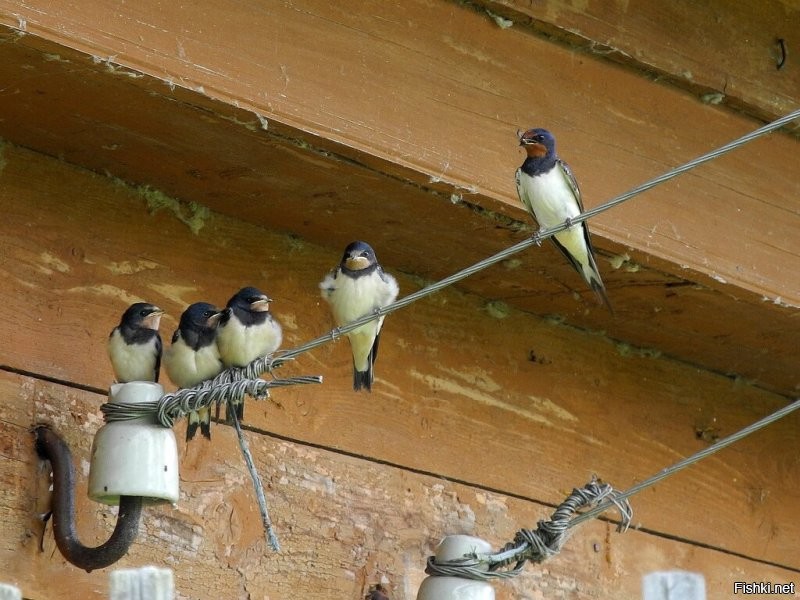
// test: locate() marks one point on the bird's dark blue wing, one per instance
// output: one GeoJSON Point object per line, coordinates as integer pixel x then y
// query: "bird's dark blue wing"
{"type": "Point", "coordinates": [571, 181]}
{"type": "Point", "coordinates": [159, 350]}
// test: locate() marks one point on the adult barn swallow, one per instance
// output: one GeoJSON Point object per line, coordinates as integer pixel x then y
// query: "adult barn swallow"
{"type": "Point", "coordinates": [134, 345]}
{"type": "Point", "coordinates": [550, 192]}
{"type": "Point", "coordinates": [247, 330]}
{"type": "Point", "coordinates": [355, 288]}
{"type": "Point", "coordinates": [193, 357]}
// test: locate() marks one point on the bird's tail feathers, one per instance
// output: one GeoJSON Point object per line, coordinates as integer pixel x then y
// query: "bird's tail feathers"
{"type": "Point", "coordinates": [363, 379]}
{"type": "Point", "coordinates": [600, 291]}
{"type": "Point", "coordinates": [192, 425]}
{"type": "Point", "coordinates": [591, 275]}
{"type": "Point", "coordinates": [589, 272]}
{"type": "Point", "coordinates": [199, 420]}
{"type": "Point", "coordinates": [205, 422]}
{"type": "Point", "coordinates": [237, 408]}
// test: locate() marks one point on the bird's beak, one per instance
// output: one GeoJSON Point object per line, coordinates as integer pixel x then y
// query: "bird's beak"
{"type": "Point", "coordinates": [356, 263]}
{"type": "Point", "coordinates": [213, 320]}
{"type": "Point", "coordinates": [523, 139]}
{"type": "Point", "coordinates": [153, 320]}
{"type": "Point", "coordinates": [261, 305]}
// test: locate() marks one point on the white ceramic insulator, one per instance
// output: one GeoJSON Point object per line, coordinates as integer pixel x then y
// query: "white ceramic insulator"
{"type": "Point", "coordinates": [136, 457]}
{"type": "Point", "coordinates": [455, 588]}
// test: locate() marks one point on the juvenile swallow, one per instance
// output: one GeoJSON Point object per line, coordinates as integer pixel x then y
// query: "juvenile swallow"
{"type": "Point", "coordinates": [355, 288]}
{"type": "Point", "coordinates": [193, 357]}
{"type": "Point", "coordinates": [247, 330]}
{"type": "Point", "coordinates": [550, 192]}
{"type": "Point", "coordinates": [134, 345]}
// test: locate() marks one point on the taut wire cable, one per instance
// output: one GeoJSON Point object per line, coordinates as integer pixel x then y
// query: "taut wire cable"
{"type": "Point", "coordinates": [549, 536]}
{"type": "Point", "coordinates": [536, 239]}
{"type": "Point", "coordinates": [708, 451]}
{"type": "Point", "coordinates": [235, 383]}
{"type": "Point", "coordinates": [203, 394]}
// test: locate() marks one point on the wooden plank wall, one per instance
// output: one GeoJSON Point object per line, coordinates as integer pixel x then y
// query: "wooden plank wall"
{"type": "Point", "coordinates": [401, 108]}
{"type": "Point", "coordinates": [478, 424]}
{"type": "Point", "coordinates": [726, 52]}
{"type": "Point", "coordinates": [440, 90]}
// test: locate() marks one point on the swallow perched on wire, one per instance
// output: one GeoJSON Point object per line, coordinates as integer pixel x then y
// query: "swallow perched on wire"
{"type": "Point", "coordinates": [357, 287]}
{"type": "Point", "coordinates": [247, 330]}
{"type": "Point", "coordinates": [193, 357]}
{"type": "Point", "coordinates": [134, 345]}
{"type": "Point", "coordinates": [550, 192]}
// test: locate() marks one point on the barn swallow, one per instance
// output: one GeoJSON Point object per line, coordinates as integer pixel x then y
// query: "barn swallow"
{"type": "Point", "coordinates": [247, 330]}
{"type": "Point", "coordinates": [134, 345]}
{"type": "Point", "coordinates": [355, 288]}
{"type": "Point", "coordinates": [193, 357]}
{"type": "Point", "coordinates": [550, 192]}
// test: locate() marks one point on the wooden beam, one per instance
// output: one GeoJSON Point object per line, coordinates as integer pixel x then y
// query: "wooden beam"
{"type": "Point", "coordinates": [208, 152]}
{"type": "Point", "coordinates": [395, 123]}
{"type": "Point", "coordinates": [407, 82]}
{"type": "Point", "coordinates": [345, 522]}
{"type": "Point", "coordinates": [724, 52]}
{"type": "Point", "coordinates": [222, 158]}
{"type": "Point", "coordinates": [502, 400]}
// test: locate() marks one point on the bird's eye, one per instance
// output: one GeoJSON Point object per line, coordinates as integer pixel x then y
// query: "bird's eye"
{"type": "Point", "coordinates": [143, 313]}
{"type": "Point", "coordinates": [207, 314]}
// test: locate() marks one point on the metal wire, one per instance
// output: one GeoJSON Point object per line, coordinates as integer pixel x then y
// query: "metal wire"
{"type": "Point", "coordinates": [537, 238]}
{"type": "Point", "coordinates": [532, 545]}
{"type": "Point", "coordinates": [757, 133]}
{"type": "Point", "coordinates": [545, 541]}
{"type": "Point", "coordinates": [713, 448]}
{"type": "Point", "coordinates": [231, 383]}
{"type": "Point", "coordinates": [272, 537]}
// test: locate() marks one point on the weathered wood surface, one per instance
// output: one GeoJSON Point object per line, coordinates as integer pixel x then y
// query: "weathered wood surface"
{"type": "Point", "coordinates": [345, 523]}
{"type": "Point", "coordinates": [441, 90]}
{"type": "Point", "coordinates": [520, 404]}
{"type": "Point", "coordinates": [198, 149]}
{"type": "Point", "coordinates": [727, 52]}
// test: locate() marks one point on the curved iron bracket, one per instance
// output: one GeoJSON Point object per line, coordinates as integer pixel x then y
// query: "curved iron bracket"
{"type": "Point", "coordinates": [51, 447]}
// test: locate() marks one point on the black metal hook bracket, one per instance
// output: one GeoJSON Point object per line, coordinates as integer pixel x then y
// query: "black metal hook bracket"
{"type": "Point", "coordinates": [51, 447]}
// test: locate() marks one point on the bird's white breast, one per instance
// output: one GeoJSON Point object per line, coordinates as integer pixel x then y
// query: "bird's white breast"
{"type": "Point", "coordinates": [548, 197]}
{"type": "Point", "coordinates": [239, 345]}
{"type": "Point", "coordinates": [351, 298]}
{"type": "Point", "coordinates": [135, 362]}
{"type": "Point", "coordinates": [187, 368]}
{"type": "Point", "coordinates": [551, 200]}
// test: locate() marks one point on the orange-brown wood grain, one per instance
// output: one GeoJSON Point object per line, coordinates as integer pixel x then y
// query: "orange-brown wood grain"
{"type": "Point", "coordinates": [519, 404]}
{"type": "Point", "coordinates": [700, 269]}
{"type": "Point", "coordinates": [408, 82]}
{"type": "Point", "coordinates": [344, 523]}
{"type": "Point", "coordinates": [262, 139]}
{"type": "Point", "coordinates": [726, 52]}
{"type": "Point", "coordinates": [304, 187]}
